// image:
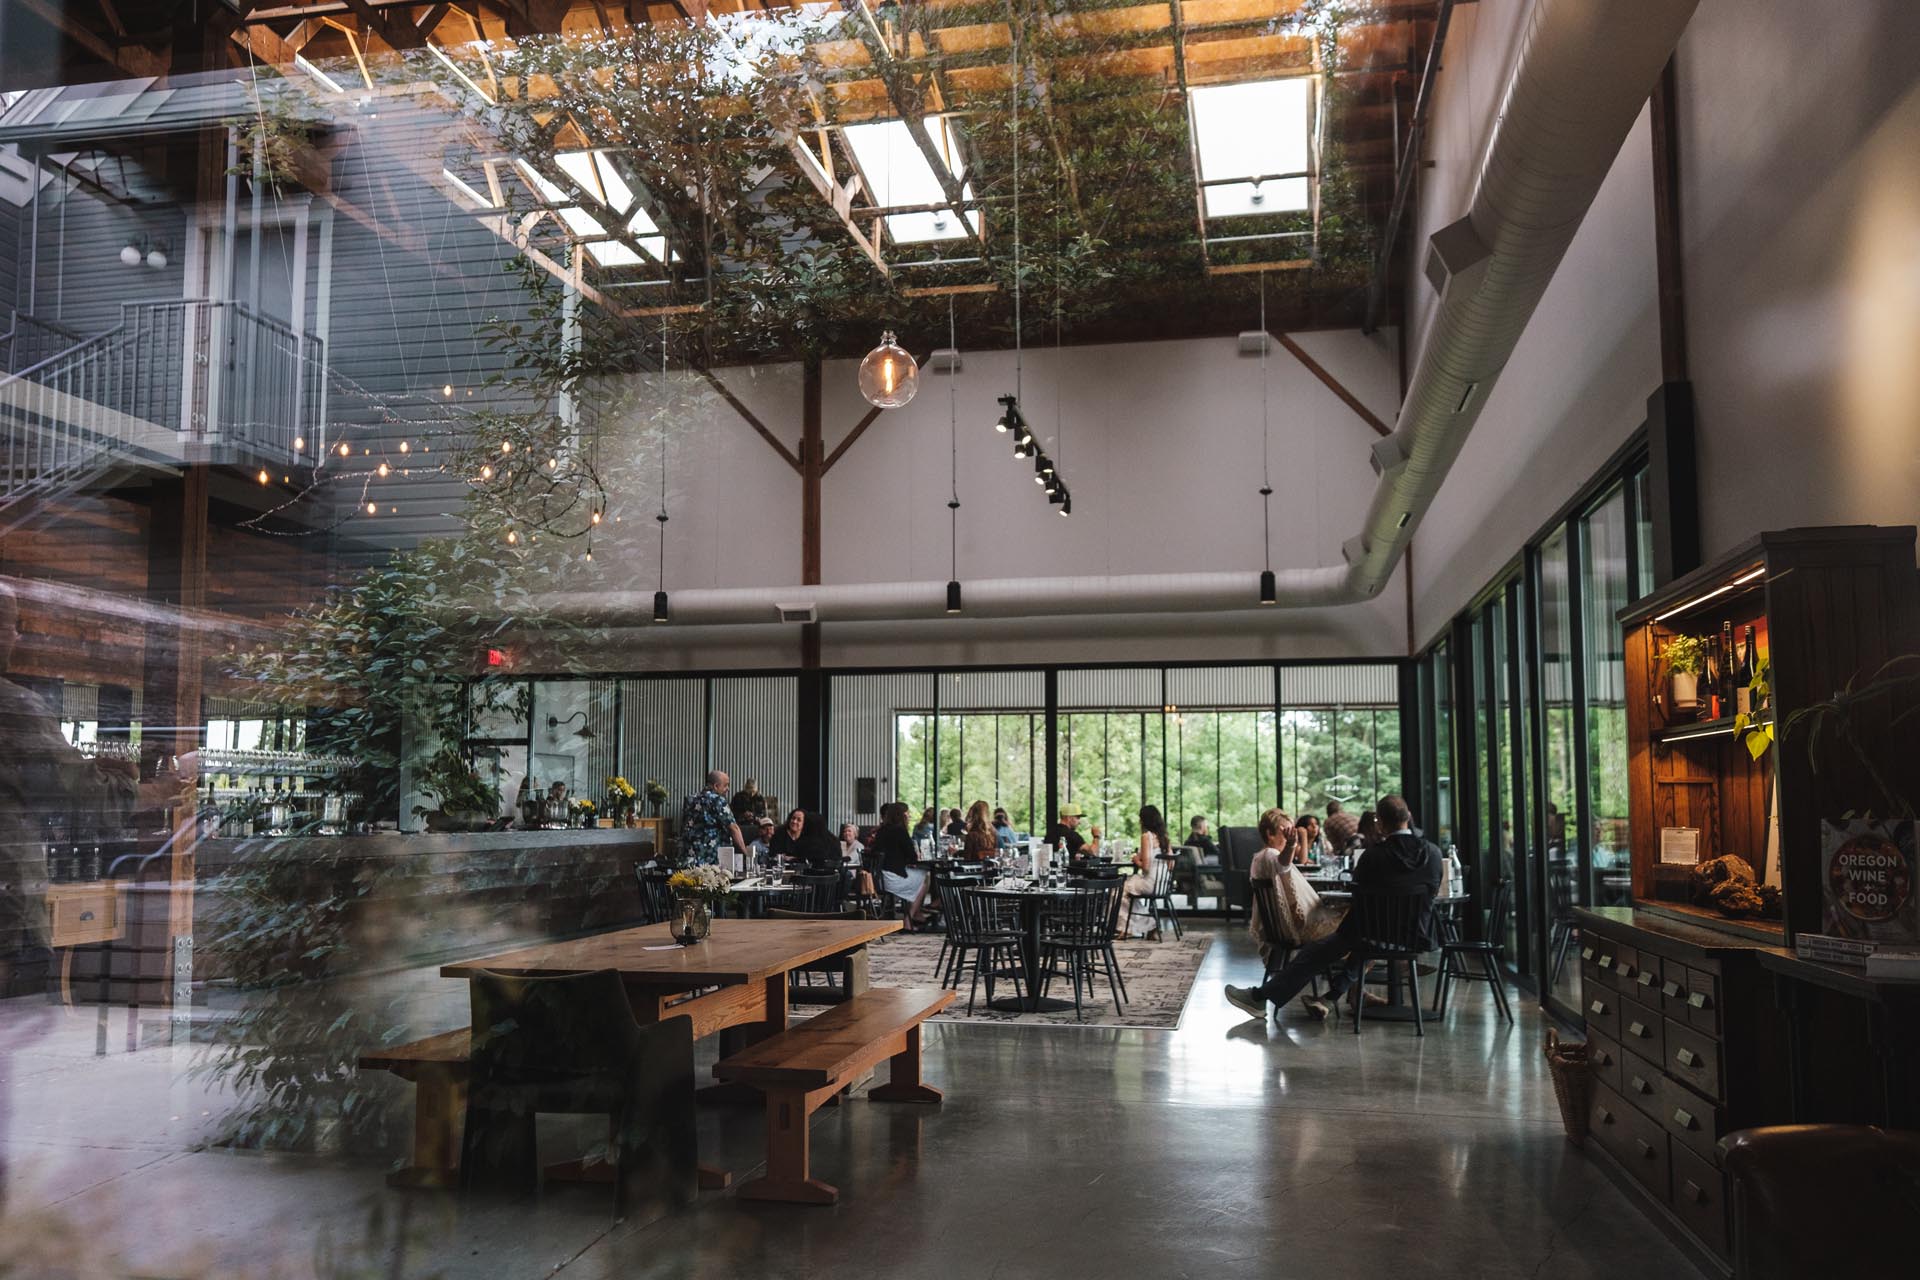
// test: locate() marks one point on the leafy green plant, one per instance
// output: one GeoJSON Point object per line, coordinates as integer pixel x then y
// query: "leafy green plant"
{"type": "Point", "coordinates": [1832, 729]}
{"type": "Point", "coordinates": [1686, 655]}
{"type": "Point", "coordinates": [1754, 728]}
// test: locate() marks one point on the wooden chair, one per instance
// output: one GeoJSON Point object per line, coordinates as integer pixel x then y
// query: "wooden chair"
{"type": "Point", "coordinates": [1456, 952]}
{"type": "Point", "coordinates": [656, 899]}
{"type": "Point", "coordinates": [571, 1045]}
{"type": "Point", "coordinates": [846, 975]}
{"type": "Point", "coordinates": [1388, 929]}
{"type": "Point", "coordinates": [1238, 845]}
{"type": "Point", "coordinates": [983, 930]}
{"type": "Point", "coordinates": [1079, 929]}
{"type": "Point", "coordinates": [803, 1066]}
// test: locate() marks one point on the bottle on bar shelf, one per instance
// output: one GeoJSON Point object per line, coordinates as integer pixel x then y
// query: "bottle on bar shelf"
{"type": "Point", "coordinates": [1743, 696]}
{"type": "Point", "coordinates": [1728, 679]}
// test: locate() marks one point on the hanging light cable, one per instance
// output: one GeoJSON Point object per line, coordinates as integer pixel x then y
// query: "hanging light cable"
{"type": "Point", "coordinates": [953, 466]}
{"type": "Point", "coordinates": [661, 611]}
{"type": "Point", "coordinates": [1269, 588]}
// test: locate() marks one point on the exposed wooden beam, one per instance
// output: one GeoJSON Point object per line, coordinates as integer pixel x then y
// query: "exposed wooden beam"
{"type": "Point", "coordinates": [134, 59]}
{"type": "Point", "coordinates": [1333, 384]}
{"type": "Point", "coordinates": [838, 198]}
{"type": "Point", "coordinates": [859, 429]}
{"type": "Point", "coordinates": [753, 420]}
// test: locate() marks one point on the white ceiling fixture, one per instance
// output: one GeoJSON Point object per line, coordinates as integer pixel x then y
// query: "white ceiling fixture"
{"type": "Point", "coordinates": [897, 173]}
{"type": "Point", "coordinates": [1253, 142]}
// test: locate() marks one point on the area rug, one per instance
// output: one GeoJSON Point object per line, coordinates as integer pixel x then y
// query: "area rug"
{"type": "Point", "coordinates": [1158, 977]}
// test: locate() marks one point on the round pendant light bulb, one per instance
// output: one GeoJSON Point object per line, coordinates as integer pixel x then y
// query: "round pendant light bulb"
{"type": "Point", "coordinates": [130, 255]}
{"type": "Point", "coordinates": [888, 376]}
{"type": "Point", "coordinates": [156, 259]}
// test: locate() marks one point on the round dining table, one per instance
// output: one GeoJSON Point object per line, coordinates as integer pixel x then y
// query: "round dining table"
{"type": "Point", "coordinates": [1032, 902]}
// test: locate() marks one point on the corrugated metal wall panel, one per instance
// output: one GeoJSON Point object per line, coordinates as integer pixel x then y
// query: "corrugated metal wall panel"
{"type": "Point", "coordinates": [756, 724]}
{"type": "Point", "coordinates": [663, 735]}
{"type": "Point", "coordinates": [1221, 687]}
{"type": "Point", "coordinates": [1125, 687]}
{"type": "Point", "coordinates": [80, 279]}
{"type": "Point", "coordinates": [1354, 685]}
{"type": "Point", "coordinates": [860, 737]}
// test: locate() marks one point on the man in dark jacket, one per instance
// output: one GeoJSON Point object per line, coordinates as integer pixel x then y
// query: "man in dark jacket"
{"type": "Point", "coordinates": [1404, 862]}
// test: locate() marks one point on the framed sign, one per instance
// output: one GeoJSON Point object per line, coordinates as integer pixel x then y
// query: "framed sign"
{"type": "Point", "coordinates": [1679, 846]}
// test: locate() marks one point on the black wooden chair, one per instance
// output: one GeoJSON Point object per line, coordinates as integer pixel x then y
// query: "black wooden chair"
{"type": "Point", "coordinates": [1457, 955]}
{"type": "Point", "coordinates": [1078, 929]}
{"type": "Point", "coordinates": [983, 933]}
{"type": "Point", "coordinates": [815, 893]}
{"type": "Point", "coordinates": [656, 899]}
{"type": "Point", "coordinates": [837, 970]}
{"type": "Point", "coordinates": [1266, 901]}
{"type": "Point", "coordinates": [1158, 899]}
{"type": "Point", "coordinates": [947, 884]}
{"type": "Point", "coordinates": [1562, 929]}
{"type": "Point", "coordinates": [1387, 929]}
{"type": "Point", "coordinates": [570, 1045]}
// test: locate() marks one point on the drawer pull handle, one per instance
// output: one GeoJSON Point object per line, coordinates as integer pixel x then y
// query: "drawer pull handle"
{"type": "Point", "coordinates": [1669, 988]}
{"type": "Point", "coordinates": [1606, 962]}
{"type": "Point", "coordinates": [1606, 1116]}
{"type": "Point", "coordinates": [1645, 979]}
{"type": "Point", "coordinates": [1638, 1029]}
{"type": "Point", "coordinates": [1698, 999]}
{"type": "Point", "coordinates": [86, 915]}
{"type": "Point", "coordinates": [1684, 1118]}
{"type": "Point", "coordinates": [1586, 953]}
{"type": "Point", "coordinates": [1598, 1006]}
{"type": "Point", "coordinates": [1641, 1086]}
{"type": "Point", "coordinates": [1625, 970]}
{"type": "Point", "coordinates": [1602, 1057]}
{"type": "Point", "coordinates": [1646, 1152]}
{"type": "Point", "coordinates": [1694, 1193]}
{"type": "Point", "coordinates": [1687, 1058]}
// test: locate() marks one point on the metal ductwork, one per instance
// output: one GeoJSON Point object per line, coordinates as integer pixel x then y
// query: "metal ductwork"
{"type": "Point", "coordinates": [1585, 69]}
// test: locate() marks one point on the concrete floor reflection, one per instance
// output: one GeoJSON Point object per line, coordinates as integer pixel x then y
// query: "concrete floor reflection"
{"type": "Point", "coordinates": [1225, 1148]}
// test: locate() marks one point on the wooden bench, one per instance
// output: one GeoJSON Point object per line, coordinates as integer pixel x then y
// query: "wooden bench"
{"type": "Point", "coordinates": [801, 1068]}
{"type": "Point", "coordinates": [437, 1066]}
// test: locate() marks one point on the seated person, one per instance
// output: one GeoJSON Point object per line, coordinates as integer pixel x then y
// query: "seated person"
{"type": "Point", "coordinates": [1198, 838]}
{"type": "Point", "coordinates": [802, 841]}
{"type": "Point", "coordinates": [852, 848]}
{"type": "Point", "coordinates": [979, 843]}
{"type": "Point", "coordinates": [761, 847]}
{"type": "Point", "coordinates": [1314, 842]}
{"type": "Point", "coordinates": [1065, 834]}
{"type": "Point", "coordinates": [1341, 826]}
{"type": "Point", "coordinates": [955, 825]}
{"type": "Point", "coordinates": [1003, 829]}
{"type": "Point", "coordinates": [928, 826]}
{"type": "Point", "coordinates": [1401, 863]}
{"type": "Point", "coordinates": [893, 848]}
{"type": "Point", "coordinates": [1299, 914]}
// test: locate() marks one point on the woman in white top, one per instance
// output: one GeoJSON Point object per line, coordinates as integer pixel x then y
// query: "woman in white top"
{"type": "Point", "coordinates": [1149, 872]}
{"type": "Point", "coordinates": [1299, 914]}
{"type": "Point", "coordinates": [850, 847]}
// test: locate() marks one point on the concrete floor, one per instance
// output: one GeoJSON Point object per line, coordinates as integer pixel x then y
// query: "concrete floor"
{"type": "Point", "coordinates": [1223, 1149]}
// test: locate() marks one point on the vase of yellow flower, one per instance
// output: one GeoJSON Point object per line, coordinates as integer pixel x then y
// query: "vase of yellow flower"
{"type": "Point", "coordinates": [696, 889]}
{"type": "Point", "coordinates": [620, 796]}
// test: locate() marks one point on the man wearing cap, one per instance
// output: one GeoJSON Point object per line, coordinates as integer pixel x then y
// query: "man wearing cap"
{"type": "Point", "coordinates": [1065, 834]}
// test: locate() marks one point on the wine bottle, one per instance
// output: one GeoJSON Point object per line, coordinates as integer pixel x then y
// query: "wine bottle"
{"type": "Point", "coordinates": [1728, 680]}
{"type": "Point", "coordinates": [1743, 695]}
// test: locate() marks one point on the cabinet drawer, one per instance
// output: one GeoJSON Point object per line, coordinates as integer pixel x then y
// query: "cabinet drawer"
{"type": "Point", "coordinates": [1700, 1198]}
{"type": "Point", "coordinates": [1693, 1059]}
{"type": "Point", "coordinates": [1643, 1084]}
{"type": "Point", "coordinates": [1603, 1012]}
{"type": "Point", "coordinates": [1640, 1030]}
{"type": "Point", "coordinates": [1604, 1056]}
{"type": "Point", "coordinates": [1632, 1138]}
{"type": "Point", "coordinates": [1703, 1001]}
{"type": "Point", "coordinates": [1691, 1122]}
{"type": "Point", "coordinates": [78, 914]}
{"type": "Point", "coordinates": [1647, 980]}
{"type": "Point", "coordinates": [1626, 963]}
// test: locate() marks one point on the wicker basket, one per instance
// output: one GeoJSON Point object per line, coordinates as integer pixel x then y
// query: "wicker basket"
{"type": "Point", "coordinates": [1572, 1084]}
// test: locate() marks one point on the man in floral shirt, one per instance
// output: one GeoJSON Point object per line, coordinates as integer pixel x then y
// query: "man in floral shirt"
{"type": "Point", "coordinates": [707, 821]}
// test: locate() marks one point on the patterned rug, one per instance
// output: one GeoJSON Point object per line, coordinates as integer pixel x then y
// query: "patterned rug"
{"type": "Point", "coordinates": [1158, 978]}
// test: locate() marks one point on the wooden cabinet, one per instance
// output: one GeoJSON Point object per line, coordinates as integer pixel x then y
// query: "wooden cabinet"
{"type": "Point", "coordinates": [1829, 607]}
{"type": "Point", "coordinates": [1691, 1050]}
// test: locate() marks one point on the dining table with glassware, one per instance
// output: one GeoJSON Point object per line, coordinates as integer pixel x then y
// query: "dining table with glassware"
{"type": "Point", "coordinates": [1032, 898]}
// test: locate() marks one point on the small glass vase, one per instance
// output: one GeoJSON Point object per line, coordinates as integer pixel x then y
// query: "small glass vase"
{"type": "Point", "coordinates": [692, 922]}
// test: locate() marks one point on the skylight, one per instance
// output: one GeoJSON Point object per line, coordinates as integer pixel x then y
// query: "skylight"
{"type": "Point", "coordinates": [594, 173]}
{"type": "Point", "coordinates": [897, 173]}
{"type": "Point", "coordinates": [1255, 131]}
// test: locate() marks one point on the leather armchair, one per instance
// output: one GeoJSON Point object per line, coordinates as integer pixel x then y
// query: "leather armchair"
{"type": "Point", "coordinates": [1823, 1200]}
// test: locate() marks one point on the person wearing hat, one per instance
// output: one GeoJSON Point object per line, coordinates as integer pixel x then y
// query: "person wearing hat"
{"type": "Point", "coordinates": [1065, 833]}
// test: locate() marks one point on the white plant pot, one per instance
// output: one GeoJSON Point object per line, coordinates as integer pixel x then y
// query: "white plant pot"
{"type": "Point", "coordinates": [1686, 690]}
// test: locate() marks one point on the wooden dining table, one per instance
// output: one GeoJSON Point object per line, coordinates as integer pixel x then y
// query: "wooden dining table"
{"type": "Point", "coordinates": [733, 983]}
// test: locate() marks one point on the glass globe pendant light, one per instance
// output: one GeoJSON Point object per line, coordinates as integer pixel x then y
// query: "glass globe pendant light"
{"type": "Point", "coordinates": [888, 376]}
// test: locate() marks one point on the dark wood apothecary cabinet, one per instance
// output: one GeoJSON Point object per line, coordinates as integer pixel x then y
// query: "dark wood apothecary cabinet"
{"type": "Point", "coordinates": [1695, 1025]}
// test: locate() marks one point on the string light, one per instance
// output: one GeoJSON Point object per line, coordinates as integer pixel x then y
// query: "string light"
{"type": "Point", "coordinates": [385, 471]}
{"type": "Point", "coordinates": [553, 464]}
{"type": "Point", "coordinates": [373, 508]}
{"type": "Point", "coordinates": [596, 517]}
{"type": "Point", "coordinates": [486, 472]}
{"type": "Point", "coordinates": [447, 391]}
{"type": "Point", "coordinates": [512, 537]}
{"type": "Point", "coordinates": [404, 446]}
{"type": "Point", "coordinates": [263, 475]}
{"type": "Point", "coordinates": [299, 443]}
{"type": "Point", "coordinates": [346, 451]}
{"type": "Point", "coordinates": [506, 446]}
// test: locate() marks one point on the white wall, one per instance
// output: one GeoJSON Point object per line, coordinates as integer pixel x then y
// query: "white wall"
{"type": "Point", "coordinates": [1159, 442]}
{"type": "Point", "coordinates": [1799, 137]}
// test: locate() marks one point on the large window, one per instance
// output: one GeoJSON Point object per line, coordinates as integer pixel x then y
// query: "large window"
{"type": "Point", "coordinates": [1604, 565]}
{"type": "Point", "coordinates": [1349, 754]}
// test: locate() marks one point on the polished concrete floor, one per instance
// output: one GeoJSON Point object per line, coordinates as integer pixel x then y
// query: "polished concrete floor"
{"type": "Point", "coordinates": [1226, 1148]}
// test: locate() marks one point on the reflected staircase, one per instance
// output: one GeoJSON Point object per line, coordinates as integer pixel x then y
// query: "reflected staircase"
{"type": "Point", "coordinates": [195, 380]}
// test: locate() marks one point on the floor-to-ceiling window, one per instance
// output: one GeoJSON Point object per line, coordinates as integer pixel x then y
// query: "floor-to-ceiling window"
{"type": "Point", "coordinates": [1560, 746]}
{"type": "Point", "coordinates": [1604, 562]}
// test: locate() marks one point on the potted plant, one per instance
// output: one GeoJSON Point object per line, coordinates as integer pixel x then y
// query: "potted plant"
{"type": "Point", "coordinates": [696, 890]}
{"type": "Point", "coordinates": [1686, 658]}
{"type": "Point", "coordinates": [467, 801]}
{"type": "Point", "coordinates": [620, 795]}
{"type": "Point", "coordinates": [656, 794]}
